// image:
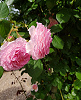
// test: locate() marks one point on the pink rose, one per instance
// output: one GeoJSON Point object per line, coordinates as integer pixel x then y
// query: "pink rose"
{"type": "Point", "coordinates": [34, 87]}
{"type": "Point", "coordinates": [52, 22]}
{"type": "Point", "coordinates": [13, 54]}
{"type": "Point", "coordinates": [39, 43]}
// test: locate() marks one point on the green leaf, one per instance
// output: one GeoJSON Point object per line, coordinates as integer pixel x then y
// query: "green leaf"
{"type": "Point", "coordinates": [69, 78]}
{"type": "Point", "coordinates": [34, 69]}
{"type": "Point", "coordinates": [1, 39]}
{"type": "Point", "coordinates": [78, 61]}
{"type": "Point", "coordinates": [57, 82]}
{"type": "Point", "coordinates": [34, 73]}
{"type": "Point", "coordinates": [56, 28]}
{"type": "Point", "coordinates": [63, 15]}
{"type": "Point", "coordinates": [4, 11]}
{"type": "Point", "coordinates": [38, 63]}
{"type": "Point", "coordinates": [59, 85]}
{"type": "Point", "coordinates": [54, 83]}
{"type": "Point", "coordinates": [30, 9]}
{"type": "Point", "coordinates": [33, 23]}
{"type": "Point", "coordinates": [68, 42]}
{"type": "Point", "coordinates": [50, 3]}
{"type": "Point", "coordinates": [34, 6]}
{"type": "Point", "coordinates": [76, 13]}
{"type": "Point", "coordinates": [65, 96]}
{"type": "Point", "coordinates": [51, 50]}
{"type": "Point", "coordinates": [77, 84]}
{"type": "Point", "coordinates": [14, 34]}
{"type": "Point", "coordinates": [70, 96]}
{"type": "Point", "coordinates": [73, 92]}
{"type": "Point", "coordinates": [4, 28]}
{"type": "Point", "coordinates": [40, 95]}
{"type": "Point", "coordinates": [77, 98]}
{"type": "Point", "coordinates": [61, 67]}
{"type": "Point", "coordinates": [1, 71]}
{"type": "Point", "coordinates": [45, 22]}
{"type": "Point", "coordinates": [78, 75]}
{"type": "Point", "coordinates": [48, 58]}
{"type": "Point", "coordinates": [31, 0]}
{"type": "Point", "coordinates": [67, 88]}
{"type": "Point", "coordinates": [49, 97]}
{"type": "Point", "coordinates": [21, 33]}
{"type": "Point", "coordinates": [57, 42]}
{"type": "Point", "coordinates": [9, 2]}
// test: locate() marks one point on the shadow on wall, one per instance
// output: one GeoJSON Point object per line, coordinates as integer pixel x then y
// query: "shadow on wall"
{"type": "Point", "coordinates": [11, 94]}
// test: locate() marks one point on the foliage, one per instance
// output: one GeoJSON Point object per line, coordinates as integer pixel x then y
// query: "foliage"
{"type": "Point", "coordinates": [64, 60]}
{"type": "Point", "coordinates": [1, 71]}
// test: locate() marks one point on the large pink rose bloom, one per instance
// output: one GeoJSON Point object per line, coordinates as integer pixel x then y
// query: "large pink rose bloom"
{"type": "Point", "coordinates": [13, 54]}
{"type": "Point", "coordinates": [39, 43]}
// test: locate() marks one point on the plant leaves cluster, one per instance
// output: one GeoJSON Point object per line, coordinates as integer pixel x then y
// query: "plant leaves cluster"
{"type": "Point", "coordinates": [63, 81]}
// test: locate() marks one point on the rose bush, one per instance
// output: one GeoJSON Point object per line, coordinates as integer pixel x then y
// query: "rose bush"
{"type": "Point", "coordinates": [58, 73]}
{"type": "Point", "coordinates": [13, 54]}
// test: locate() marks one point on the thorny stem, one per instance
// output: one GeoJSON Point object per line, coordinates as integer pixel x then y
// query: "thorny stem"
{"type": "Point", "coordinates": [13, 29]}
{"type": "Point", "coordinates": [19, 83]}
{"type": "Point", "coordinates": [61, 95]}
{"type": "Point", "coordinates": [11, 32]}
{"type": "Point", "coordinates": [18, 34]}
{"type": "Point", "coordinates": [41, 9]}
{"type": "Point", "coordinates": [16, 29]}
